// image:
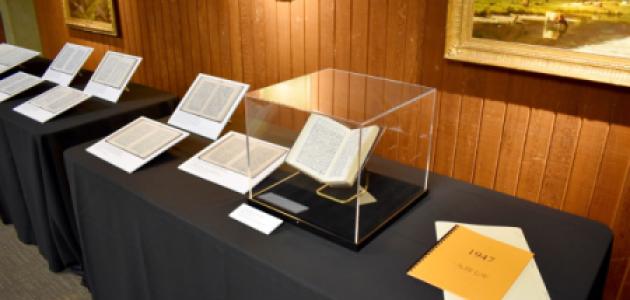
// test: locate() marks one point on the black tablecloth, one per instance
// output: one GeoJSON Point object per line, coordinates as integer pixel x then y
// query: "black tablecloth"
{"type": "Point", "coordinates": [34, 193]}
{"type": "Point", "coordinates": [36, 66]}
{"type": "Point", "coordinates": [161, 233]}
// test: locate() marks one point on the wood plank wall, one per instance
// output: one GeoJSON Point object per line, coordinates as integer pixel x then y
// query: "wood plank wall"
{"type": "Point", "coordinates": [559, 142]}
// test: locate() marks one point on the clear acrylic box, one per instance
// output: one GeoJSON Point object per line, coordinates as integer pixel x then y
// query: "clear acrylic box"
{"type": "Point", "coordinates": [360, 151]}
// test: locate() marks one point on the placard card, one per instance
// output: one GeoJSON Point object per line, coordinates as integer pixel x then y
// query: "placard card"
{"type": "Point", "coordinates": [51, 103]}
{"type": "Point", "coordinates": [137, 143]}
{"type": "Point", "coordinates": [255, 218]}
{"type": "Point", "coordinates": [67, 64]}
{"type": "Point", "coordinates": [224, 162]}
{"type": "Point", "coordinates": [208, 105]}
{"type": "Point", "coordinates": [17, 83]}
{"type": "Point", "coordinates": [13, 56]}
{"type": "Point", "coordinates": [112, 75]}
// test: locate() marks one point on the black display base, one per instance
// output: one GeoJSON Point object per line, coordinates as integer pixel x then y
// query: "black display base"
{"type": "Point", "coordinates": [332, 220]}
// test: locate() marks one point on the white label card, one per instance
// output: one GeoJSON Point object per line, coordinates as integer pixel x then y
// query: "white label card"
{"type": "Point", "coordinates": [67, 64]}
{"type": "Point", "coordinates": [17, 83]}
{"type": "Point", "coordinates": [12, 56]}
{"type": "Point", "coordinates": [112, 76]}
{"type": "Point", "coordinates": [208, 105]}
{"type": "Point", "coordinates": [137, 143]}
{"type": "Point", "coordinates": [51, 103]}
{"type": "Point", "coordinates": [255, 219]}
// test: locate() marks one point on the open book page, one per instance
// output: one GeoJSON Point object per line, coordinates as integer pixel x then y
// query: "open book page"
{"type": "Point", "coordinates": [211, 98]}
{"type": "Point", "coordinates": [115, 69]}
{"type": "Point", "coordinates": [329, 151]}
{"type": "Point", "coordinates": [230, 152]}
{"type": "Point", "coordinates": [70, 59]}
{"type": "Point", "coordinates": [18, 83]}
{"type": "Point", "coordinates": [11, 56]}
{"type": "Point", "coordinates": [529, 285]}
{"type": "Point", "coordinates": [58, 99]}
{"type": "Point", "coordinates": [143, 137]}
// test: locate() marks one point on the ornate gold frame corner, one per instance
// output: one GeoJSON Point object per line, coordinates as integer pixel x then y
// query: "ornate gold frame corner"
{"type": "Point", "coordinates": [461, 46]}
{"type": "Point", "coordinates": [92, 26]}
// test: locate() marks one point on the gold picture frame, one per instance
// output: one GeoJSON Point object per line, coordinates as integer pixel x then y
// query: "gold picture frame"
{"type": "Point", "coordinates": [97, 16]}
{"type": "Point", "coordinates": [462, 45]}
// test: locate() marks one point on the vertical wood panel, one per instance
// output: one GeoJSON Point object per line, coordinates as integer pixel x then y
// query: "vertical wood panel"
{"type": "Point", "coordinates": [311, 36]}
{"type": "Point", "coordinates": [297, 38]}
{"type": "Point", "coordinates": [284, 39]}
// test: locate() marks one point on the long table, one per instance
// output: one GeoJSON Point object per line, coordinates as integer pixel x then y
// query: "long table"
{"type": "Point", "coordinates": [34, 191]}
{"type": "Point", "coordinates": [160, 233]}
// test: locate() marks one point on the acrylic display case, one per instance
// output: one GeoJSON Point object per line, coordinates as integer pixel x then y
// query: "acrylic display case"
{"type": "Point", "coordinates": [359, 151]}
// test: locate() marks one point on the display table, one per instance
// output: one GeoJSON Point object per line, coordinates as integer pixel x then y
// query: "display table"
{"type": "Point", "coordinates": [35, 193]}
{"type": "Point", "coordinates": [161, 233]}
{"type": "Point", "coordinates": [36, 66]}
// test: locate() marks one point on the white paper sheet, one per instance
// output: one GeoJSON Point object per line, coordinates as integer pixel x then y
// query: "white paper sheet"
{"type": "Point", "coordinates": [51, 103]}
{"type": "Point", "coordinates": [208, 105]}
{"type": "Point", "coordinates": [146, 140]}
{"type": "Point", "coordinates": [67, 64]}
{"type": "Point", "coordinates": [112, 76]}
{"type": "Point", "coordinates": [17, 83]}
{"type": "Point", "coordinates": [12, 56]}
{"type": "Point", "coordinates": [238, 182]}
{"type": "Point", "coordinates": [529, 285]}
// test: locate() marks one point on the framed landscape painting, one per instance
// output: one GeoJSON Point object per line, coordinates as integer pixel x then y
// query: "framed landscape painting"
{"type": "Point", "coordinates": [574, 38]}
{"type": "Point", "coordinates": [91, 15]}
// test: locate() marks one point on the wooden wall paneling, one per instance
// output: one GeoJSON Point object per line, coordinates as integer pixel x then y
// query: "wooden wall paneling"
{"type": "Point", "coordinates": [175, 27]}
{"type": "Point", "coordinates": [195, 52]}
{"type": "Point", "coordinates": [376, 60]}
{"type": "Point", "coordinates": [537, 144]}
{"type": "Point", "coordinates": [214, 52]}
{"type": "Point", "coordinates": [595, 113]}
{"type": "Point", "coordinates": [624, 292]}
{"type": "Point", "coordinates": [326, 33]}
{"type": "Point", "coordinates": [284, 39]}
{"type": "Point", "coordinates": [235, 40]}
{"type": "Point", "coordinates": [467, 138]}
{"type": "Point", "coordinates": [151, 42]}
{"type": "Point", "coordinates": [413, 39]}
{"type": "Point", "coordinates": [446, 139]}
{"type": "Point", "coordinates": [621, 222]}
{"type": "Point", "coordinates": [260, 41]}
{"type": "Point", "coordinates": [614, 280]}
{"type": "Point", "coordinates": [615, 164]}
{"type": "Point", "coordinates": [246, 10]}
{"type": "Point", "coordinates": [359, 36]}
{"type": "Point", "coordinates": [377, 38]}
{"type": "Point", "coordinates": [168, 45]}
{"type": "Point", "coordinates": [143, 37]}
{"type": "Point", "coordinates": [297, 38]}
{"type": "Point", "coordinates": [564, 140]}
{"type": "Point", "coordinates": [493, 85]}
{"type": "Point", "coordinates": [343, 32]}
{"type": "Point", "coordinates": [187, 45]}
{"type": "Point", "coordinates": [311, 36]}
{"type": "Point", "coordinates": [130, 46]}
{"type": "Point", "coordinates": [271, 34]}
{"type": "Point", "coordinates": [225, 55]}
{"type": "Point", "coordinates": [394, 60]}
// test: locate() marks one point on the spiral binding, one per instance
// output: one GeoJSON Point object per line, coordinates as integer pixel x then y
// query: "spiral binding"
{"type": "Point", "coordinates": [428, 253]}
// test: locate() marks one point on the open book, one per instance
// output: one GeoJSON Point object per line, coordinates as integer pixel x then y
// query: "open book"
{"type": "Point", "coordinates": [328, 151]}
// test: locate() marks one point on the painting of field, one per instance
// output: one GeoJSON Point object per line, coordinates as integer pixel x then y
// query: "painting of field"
{"type": "Point", "coordinates": [93, 10]}
{"type": "Point", "coordinates": [91, 15]}
{"type": "Point", "coordinates": [599, 27]}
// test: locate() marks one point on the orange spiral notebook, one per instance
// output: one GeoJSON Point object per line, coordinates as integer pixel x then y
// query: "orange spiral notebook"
{"type": "Point", "coordinates": [471, 265]}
